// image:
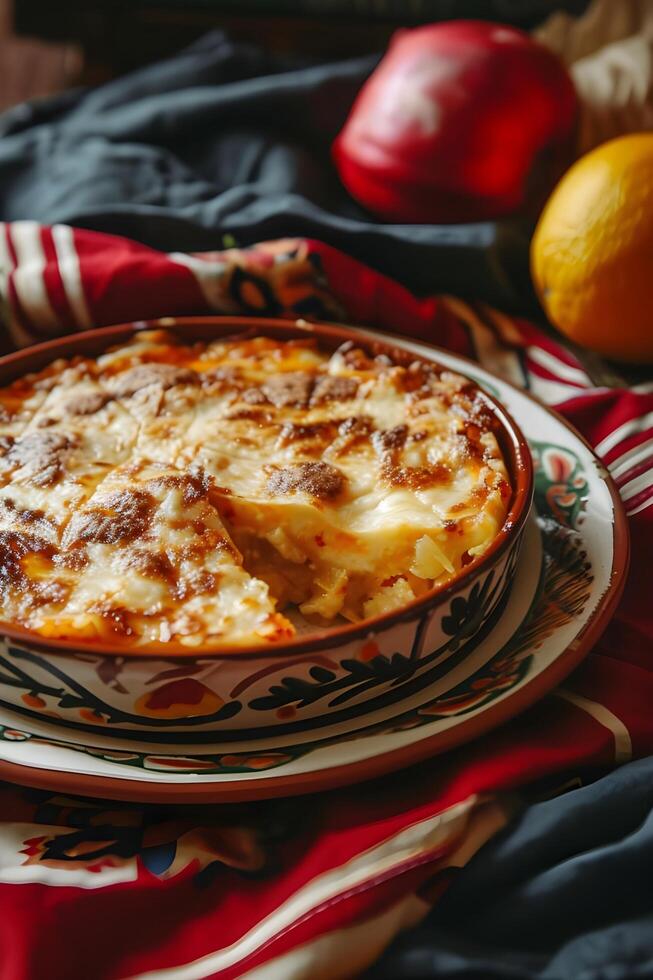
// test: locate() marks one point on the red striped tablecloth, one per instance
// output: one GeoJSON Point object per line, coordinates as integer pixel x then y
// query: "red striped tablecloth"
{"type": "Point", "coordinates": [313, 887]}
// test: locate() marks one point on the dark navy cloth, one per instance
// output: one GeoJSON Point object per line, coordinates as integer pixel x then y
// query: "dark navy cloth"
{"type": "Point", "coordinates": [565, 892]}
{"type": "Point", "coordinates": [224, 139]}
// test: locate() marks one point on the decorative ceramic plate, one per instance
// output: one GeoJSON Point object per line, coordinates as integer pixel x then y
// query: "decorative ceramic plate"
{"type": "Point", "coordinates": [569, 578]}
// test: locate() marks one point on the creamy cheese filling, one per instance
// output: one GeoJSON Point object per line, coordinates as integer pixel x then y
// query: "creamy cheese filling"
{"type": "Point", "coordinates": [190, 493]}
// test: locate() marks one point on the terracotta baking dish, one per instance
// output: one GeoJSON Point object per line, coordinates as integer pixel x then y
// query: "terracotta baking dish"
{"type": "Point", "coordinates": [315, 679]}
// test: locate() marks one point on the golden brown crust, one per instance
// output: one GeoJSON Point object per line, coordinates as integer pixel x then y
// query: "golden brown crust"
{"type": "Point", "coordinates": [320, 433]}
{"type": "Point", "coordinates": [38, 456]}
{"type": "Point", "coordinates": [194, 485]}
{"type": "Point", "coordinates": [16, 545]}
{"type": "Point", "coordinates": [118, 517]}
{"type": "Point", "coordinates": [414, 477]}
{"type": "Point", "coordinates": [319, 480]}
{"type": "Point", "coordinates": [390, 440]}
{"type": "Point", "coordinates": [334, 388]}
{"type": "Point", "coordinates": [292, 388]}
{"type": "Point", "coordinates": [86, 403]}
{"type": "Point", "coordinates": [145, 375]}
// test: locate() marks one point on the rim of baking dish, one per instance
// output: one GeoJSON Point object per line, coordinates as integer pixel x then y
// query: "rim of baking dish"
{"type": "Point", "coordinates": [512, 442]}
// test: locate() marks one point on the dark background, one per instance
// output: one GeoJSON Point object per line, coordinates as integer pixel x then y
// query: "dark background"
{"type": "Point", "coordinates": [117, 35]}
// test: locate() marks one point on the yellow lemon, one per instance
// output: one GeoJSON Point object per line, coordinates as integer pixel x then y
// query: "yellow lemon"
{"type": "Point", "coordinates": [592, 252]}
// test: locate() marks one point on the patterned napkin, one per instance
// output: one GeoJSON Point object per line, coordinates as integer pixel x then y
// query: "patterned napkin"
{"type": "Point", "coordinates": [316, 886]}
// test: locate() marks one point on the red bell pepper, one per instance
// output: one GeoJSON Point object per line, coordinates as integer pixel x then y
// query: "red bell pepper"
{"type": "Point", "coordinates": [454, 123]}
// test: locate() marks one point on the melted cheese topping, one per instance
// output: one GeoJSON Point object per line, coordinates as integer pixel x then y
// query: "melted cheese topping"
{"type": "Point", "coordinates": [190, 493]}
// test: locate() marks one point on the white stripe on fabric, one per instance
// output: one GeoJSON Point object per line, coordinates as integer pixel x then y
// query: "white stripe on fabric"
{"type": "Point", "coordinates": [631, 511]}
{"type": "Point", "coordinates": [631, 458]}
{"type": "Point", "coordinates": [552, 392]}
{"type": "Point", "coordinates": [562, 371]}
{"type": "Point", "coordinates": [635, 486]}
{"type": "Point", "coordinates": [404, 847]}
{"type": "Point", "coordinates": [643, 389]}
{"type": "Point", "coordinates": [210, 277]}
{"type": "Point", "coordinates": [623, 747]}
{"type": "Point", "coordinates": [19, 335]}
{"type": "Point", "coordinates": [6, 264]}
{"type": "Point", "coordinates": [348, 950]}
{"type": "Point", "coordinates": [28, 274]}
{"type": "Point", "coordinates": [63, 238]}
{"type": "Point", "coordinates": [630, 428]}
{"type": "Point", "coordinates": [344, 952]}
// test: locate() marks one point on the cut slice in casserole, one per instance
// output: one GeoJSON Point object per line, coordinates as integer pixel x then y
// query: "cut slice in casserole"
{"type": "Point", "coordinates": [153, 561]}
